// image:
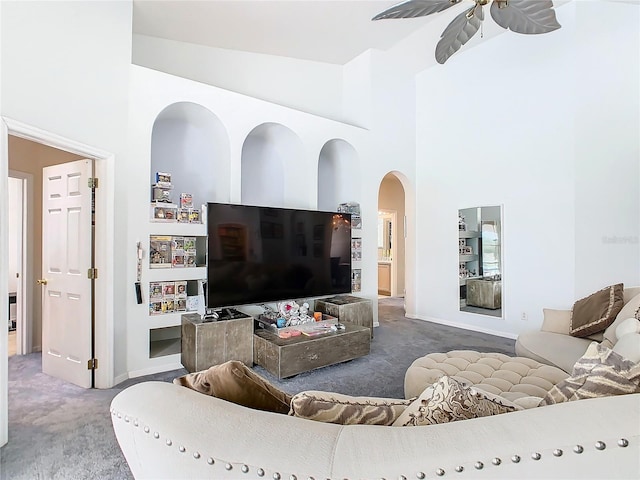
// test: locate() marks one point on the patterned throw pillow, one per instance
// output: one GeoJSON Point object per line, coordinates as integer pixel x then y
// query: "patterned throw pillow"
{"type": "Point", "coordinates": [596, 312]}
{"type": "Point", "coordinates": [600, 372]}
{"type": "Point", "coordinates": [450, 401]}
{"type": "Point", "coordinates": [346, 410]}
{"type": "Point", "coordinates": [234, 382]}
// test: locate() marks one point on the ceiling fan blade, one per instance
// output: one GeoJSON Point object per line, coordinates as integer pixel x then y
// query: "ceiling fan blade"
{"type": "Point", "coordinates": [458, 32]}
{"type": "Point", "coordinates": [525, 16]}
{"type": "Point", "coordinates": [415, 8]}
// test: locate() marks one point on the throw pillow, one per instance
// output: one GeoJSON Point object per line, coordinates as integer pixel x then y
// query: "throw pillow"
{"type": "Point", "coordinates": [631, 309]}
{"type": "Point", "coordinates": [346, 410]}
{"type": "Point", "coordinates": [556, 321]}
{"type": "Point", "coordinates": [600, 372]}
{"type": "Point", "coordinates": [596, 312]}
{"type": "Point", "coordinates": [630, 325]}
{"type": "Point", "coordinates": [451, 401]}
{"type": "Point", "coordinates": [628, 346]}
{"type": "Point", "coordinates": [235, 382]}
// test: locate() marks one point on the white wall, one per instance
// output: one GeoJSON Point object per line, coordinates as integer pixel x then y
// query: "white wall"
{"type": "Point", "coordinates": [517, 122]}
{"type": "Point", "coordinates": [301, 84]}
{"type": "Point", "coordinates": [65, 68]}
{"type": "Point", "coordinates": [298, 142]}
{"type": "Point", "coordinates": [607, 147]}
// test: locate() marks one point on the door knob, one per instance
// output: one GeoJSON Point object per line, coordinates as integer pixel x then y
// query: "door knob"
{"type": "Point", "coordinates": [42, 281]}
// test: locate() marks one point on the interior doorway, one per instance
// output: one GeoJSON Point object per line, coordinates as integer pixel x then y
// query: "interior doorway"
{"type": "Point", "coordinates": [27, 150]}
{"type": "Point", "coordinates": [391, 237]}
{"type": "Point", "coordinates": [26, 161]}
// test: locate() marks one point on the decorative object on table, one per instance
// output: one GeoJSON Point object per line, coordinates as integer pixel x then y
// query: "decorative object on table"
{"type": "Point", "coordinates": [294, 314]}
{"type": "Point", "coordinates": [520, 16]}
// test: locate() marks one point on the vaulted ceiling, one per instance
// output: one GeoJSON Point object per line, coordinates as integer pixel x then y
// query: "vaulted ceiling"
{"type": "Point", "coordinates": [330, 31]}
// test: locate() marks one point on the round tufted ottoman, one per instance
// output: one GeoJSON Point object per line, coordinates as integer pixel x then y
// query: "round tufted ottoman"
{"type": "Point", "coordinates": [510, 377]}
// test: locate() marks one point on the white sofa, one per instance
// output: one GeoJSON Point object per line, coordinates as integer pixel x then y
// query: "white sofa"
{"type": "Point", "coordinates": [172, 432]}
{"type": "Point", "coordinates": [553, 345]}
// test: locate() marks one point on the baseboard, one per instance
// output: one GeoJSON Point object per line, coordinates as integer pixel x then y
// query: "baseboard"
{"type": "Point", "coordinates": [464, 326]}
{"type": "Point", "coordinates": [167, 367]}
{"type": "Point", "coordinates": [120, 378]}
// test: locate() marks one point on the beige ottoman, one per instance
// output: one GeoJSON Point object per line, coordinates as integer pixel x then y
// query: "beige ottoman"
{"type": "Point", "coordinates": [518, 379]}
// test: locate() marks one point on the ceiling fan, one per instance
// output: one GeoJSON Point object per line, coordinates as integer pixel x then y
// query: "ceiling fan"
{"type": "Point", "coordinates": [520, 16]}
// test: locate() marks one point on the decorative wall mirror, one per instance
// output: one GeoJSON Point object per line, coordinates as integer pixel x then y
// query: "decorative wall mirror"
{"type": "Point", "coordinates": [480, 260]}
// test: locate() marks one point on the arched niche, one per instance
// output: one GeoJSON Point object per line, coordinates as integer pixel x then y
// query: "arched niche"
{"type": "Point", "coordinates": [191, 143]}
{"type": "Point", "coordinates": [271, 154]}
{"type": "Point", "coordinates": [338, 174]}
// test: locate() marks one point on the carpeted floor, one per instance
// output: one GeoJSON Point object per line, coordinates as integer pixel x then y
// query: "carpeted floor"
{"type": "Point", "coordinates": [60, 431]}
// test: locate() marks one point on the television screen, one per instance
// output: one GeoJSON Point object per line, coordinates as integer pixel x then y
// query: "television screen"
{"type": "Point", "coordinates": [263, 254]}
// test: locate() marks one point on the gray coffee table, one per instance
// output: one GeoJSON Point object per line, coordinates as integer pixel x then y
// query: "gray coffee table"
{"type": "Point", "coordinates": [286, 357]}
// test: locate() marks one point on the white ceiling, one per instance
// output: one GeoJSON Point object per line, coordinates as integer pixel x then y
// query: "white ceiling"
{"type": "Point", "coordinates": [330, 31]}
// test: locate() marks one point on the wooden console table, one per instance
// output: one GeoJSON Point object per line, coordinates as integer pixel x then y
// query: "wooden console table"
{"type": "Point", "coordinates": [205, 344]}
{"type": "Point", "coordinates": [285, 357]}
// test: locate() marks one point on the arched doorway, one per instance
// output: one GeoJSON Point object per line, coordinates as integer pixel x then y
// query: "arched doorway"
{"type": "Point", "coordinates": [391, 237]}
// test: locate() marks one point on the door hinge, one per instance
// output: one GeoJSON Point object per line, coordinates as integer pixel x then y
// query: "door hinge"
{"type": "Point", "coordinates": [93, 182]}
{"type": "Point", "coordinates": [92, 273]}
{"type": "Point", "coordinates": [92, 364]}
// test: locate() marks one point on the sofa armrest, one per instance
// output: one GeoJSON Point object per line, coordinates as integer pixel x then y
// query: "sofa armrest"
{"type": "Point", "coordinates": [556, 321]}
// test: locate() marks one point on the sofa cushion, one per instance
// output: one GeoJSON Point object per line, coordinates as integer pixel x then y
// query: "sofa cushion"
{"type": "Point", "coordinates": [448, 400]}
{"type": "Point", "coordinates": [596, 312]}
{"type": "Point", "coordinates": [235, 382]}
{"type": "Point", "coordinates": [631, 309]}
{"type": "Point", "coordinates": [600, 372]}
{"type": "Point", "coordinates": [555, 349]}
{"type": "Point", "coordinates": [331, 407]}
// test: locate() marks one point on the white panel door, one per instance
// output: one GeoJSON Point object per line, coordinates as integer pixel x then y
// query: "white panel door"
{"type": "Point", "coordinates": [66, 259]}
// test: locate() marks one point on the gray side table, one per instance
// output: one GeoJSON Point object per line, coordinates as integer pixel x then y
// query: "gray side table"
{"type": "Point", "coordinates": [205, 344]}
{"type": "Point", "coordinates": [348, 308]}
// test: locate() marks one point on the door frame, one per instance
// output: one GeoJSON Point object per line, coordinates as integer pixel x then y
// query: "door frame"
{"type": "Point", "coordinates": [24, 324]}
{"type": "Point", "coordinates": [105, 215]}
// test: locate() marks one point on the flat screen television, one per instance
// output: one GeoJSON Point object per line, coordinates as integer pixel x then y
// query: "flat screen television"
{"type": "Point", "coordinates": [263, 254]}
